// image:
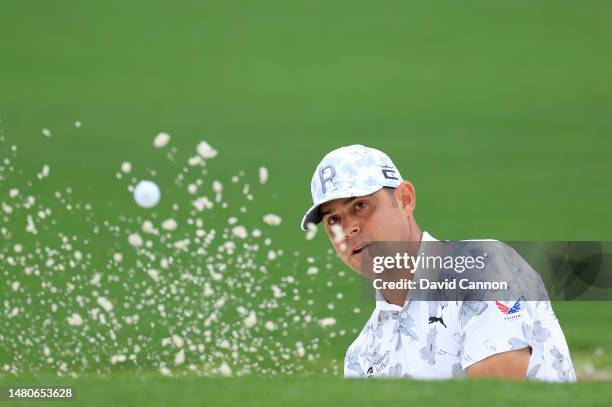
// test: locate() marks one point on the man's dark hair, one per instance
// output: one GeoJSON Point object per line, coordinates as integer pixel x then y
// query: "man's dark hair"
{"type": "Point", "coordinates": [391, 192]}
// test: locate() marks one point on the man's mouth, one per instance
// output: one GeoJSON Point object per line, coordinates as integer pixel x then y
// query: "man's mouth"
{"type": "Point", "coordinates": [360, 248]}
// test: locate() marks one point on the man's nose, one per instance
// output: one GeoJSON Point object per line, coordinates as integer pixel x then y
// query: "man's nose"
{"type": "Point", "coordinates": [351, 228]}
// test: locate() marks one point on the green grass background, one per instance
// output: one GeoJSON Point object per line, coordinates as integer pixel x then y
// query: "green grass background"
{"type": "Point", "coordinates": [499, 113]}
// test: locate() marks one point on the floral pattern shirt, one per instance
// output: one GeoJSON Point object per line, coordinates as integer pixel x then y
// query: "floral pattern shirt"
{"type": "Point", "coordinates": [441, 339]}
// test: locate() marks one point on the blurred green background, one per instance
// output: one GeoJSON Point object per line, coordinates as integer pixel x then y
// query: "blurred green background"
{"type": "Point", "coordinates": [499, 113]}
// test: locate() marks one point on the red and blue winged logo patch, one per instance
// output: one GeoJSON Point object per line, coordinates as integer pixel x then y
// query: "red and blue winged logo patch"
{"type": "Point", "coordinates": [507, 311]}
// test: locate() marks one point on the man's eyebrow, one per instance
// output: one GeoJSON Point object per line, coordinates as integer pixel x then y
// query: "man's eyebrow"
{"type": "Point", "coordinates": [344, 203]}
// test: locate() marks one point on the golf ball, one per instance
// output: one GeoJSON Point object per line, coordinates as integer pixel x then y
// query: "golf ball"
{"type": "Point", "coordinates": [147, 194]}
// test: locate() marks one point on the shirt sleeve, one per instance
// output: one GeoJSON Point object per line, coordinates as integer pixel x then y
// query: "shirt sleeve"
{"type": "Point", "coordinates": [491, 327]}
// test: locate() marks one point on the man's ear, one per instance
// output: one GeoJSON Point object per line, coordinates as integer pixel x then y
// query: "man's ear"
{"type": "Point", "coordinates": [405, 195]}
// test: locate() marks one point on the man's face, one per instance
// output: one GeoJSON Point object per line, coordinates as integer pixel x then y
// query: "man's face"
{"type": "Point", "coordinates": [353, 223]}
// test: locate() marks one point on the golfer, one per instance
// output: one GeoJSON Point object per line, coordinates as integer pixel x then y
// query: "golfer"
{"type": "Point", "coordinates": [360, 197]}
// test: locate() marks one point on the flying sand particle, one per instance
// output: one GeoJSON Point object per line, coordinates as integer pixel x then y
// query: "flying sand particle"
{"type": "Point", "coordinates": [179, 359]}
{"type": "Point", "coordinates": [337, 233]}
{"type": "Point", "coordinates": [225, 370]}
{"type": "Point", "coordinates": [75, 320]}
{"type": "Point", "coordinates": [135, 240]}
{"type": "Point", "coordinates": [161, 140]}
{"type": "Point", "coordinates": [105, 304]}
{"type": "Point", "coordinates": [272, 219]}
{"type": "Point", "coordinates": [263, 175]}
{"type": "Point", "coordinates": [154, 274]}
{"type": "Point", "coordinates": [205, 150]}
{"type": "Point", "coordinates": [326, 322]}
{"type": "Point", "coordinates": [31, 227]}
{"type": "Point", "coordinates": [117, 359]}
{"type": "Point", "coordinates": [240, 232]}
{"type": "Point", "coordinates": [169, 225]}
{"type": "Point", "coordinates": [312, 271]}
{"type": "Point", "coordinates": [250, 320]}
{"type": "Point", "coordinates": [312, 231]}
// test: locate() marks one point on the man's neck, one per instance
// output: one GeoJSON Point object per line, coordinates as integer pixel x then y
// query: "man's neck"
{"type": "Point", "coordinates": [398, 296]}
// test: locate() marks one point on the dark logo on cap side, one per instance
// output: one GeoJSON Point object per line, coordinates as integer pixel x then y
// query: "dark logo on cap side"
{"type": "Point", "coordinates": [389, 172]}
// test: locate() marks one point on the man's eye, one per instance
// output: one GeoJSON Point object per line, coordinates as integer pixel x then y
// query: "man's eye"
{"type": "Point", "coordinates": [332, 220]}
{"type": "Point", "coordinates": [361, 205]}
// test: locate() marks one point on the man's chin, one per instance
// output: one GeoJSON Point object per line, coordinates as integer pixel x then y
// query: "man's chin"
{"type": "Point", "coordinates": [355, 265]}
{"type": "Point", "coordinates": [351, 264]}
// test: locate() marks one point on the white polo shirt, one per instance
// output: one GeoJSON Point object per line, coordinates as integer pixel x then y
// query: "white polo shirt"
{"type": "Point", "coordinates": [439, 340]}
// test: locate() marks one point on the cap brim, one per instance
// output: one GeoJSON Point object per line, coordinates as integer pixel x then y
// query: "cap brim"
{"type": "Point", "coordinates": [313, 215]}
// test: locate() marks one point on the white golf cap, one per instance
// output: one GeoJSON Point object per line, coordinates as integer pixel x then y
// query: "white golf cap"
{"type": "Point", "coordinates": [349, 172]}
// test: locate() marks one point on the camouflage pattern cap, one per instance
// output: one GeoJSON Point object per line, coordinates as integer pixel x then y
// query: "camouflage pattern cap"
{"type": "Point", "coordinates": [349, 172]}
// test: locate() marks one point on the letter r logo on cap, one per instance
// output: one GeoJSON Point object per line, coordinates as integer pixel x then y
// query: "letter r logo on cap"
{"type": "Point", "coordinates": [326, 178]}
